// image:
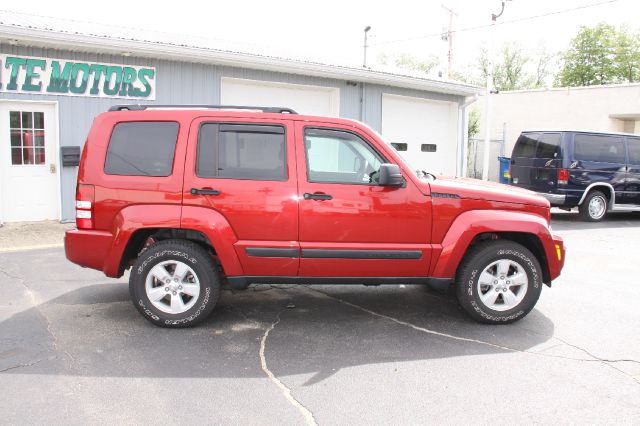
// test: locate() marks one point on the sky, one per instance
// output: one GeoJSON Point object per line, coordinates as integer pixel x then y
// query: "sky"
{"type": "Point", "coordinates": [331, 31]}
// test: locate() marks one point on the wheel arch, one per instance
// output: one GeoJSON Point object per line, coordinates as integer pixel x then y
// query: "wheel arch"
{"type": "Point", "coordinates": [473, 227]}
{"type": "Point", "coordinates": [606, 188]}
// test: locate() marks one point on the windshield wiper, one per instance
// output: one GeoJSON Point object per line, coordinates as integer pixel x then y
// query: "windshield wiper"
{"type": "Point", "coordinates": [422, 173]}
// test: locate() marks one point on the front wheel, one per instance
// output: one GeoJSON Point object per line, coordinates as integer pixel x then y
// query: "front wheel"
{"type": "Point", "coordinates": [498, 282]}
{"type": "Point", "coordinates": [174, 284]}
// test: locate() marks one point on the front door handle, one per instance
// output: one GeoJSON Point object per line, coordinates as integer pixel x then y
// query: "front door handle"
{"type": "Point", "coordinates": [317, 196]}
{"type": "Point", "coordinates": [197, 191]}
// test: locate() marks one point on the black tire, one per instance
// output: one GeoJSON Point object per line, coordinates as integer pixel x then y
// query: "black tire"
{"type": "Point", "coordinates": [202, 267]}
{"type": "Point", "coordinates": [481, 257]}
{"type": "Point", "coordinates": [585, 212]}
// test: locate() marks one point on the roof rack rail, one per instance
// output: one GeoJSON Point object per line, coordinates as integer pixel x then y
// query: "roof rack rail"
{"type": "Point", "coordinates": [139, 107]}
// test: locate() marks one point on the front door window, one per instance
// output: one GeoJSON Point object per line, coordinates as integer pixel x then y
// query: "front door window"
{"type": "Point", "coordinates": [27, 137]}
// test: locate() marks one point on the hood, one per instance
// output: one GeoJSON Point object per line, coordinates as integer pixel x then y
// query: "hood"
{"type": "Point", "coordinates": [489, 191]}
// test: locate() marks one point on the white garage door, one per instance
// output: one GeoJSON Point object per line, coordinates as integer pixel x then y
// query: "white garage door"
{"type": "Point", "coordinates": [429, 128]}
{"type": "Point", "coordinates": [310, 100]}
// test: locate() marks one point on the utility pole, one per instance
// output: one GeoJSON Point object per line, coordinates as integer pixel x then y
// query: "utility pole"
{"type": "Point", "coordinates": [364, 60]}
{"type": "Point", "coordinates": [449, 38]}
{"type": "Point", "coordinates": [488, 91]}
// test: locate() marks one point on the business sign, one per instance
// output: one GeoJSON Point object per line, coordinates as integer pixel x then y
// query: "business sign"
{"type": "Point", "coordinates": [48, 76]}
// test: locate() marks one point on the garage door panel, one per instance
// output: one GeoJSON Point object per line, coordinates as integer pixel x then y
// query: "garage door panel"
{"type": "Point", "coordinates": [418, 122]}
{"type": "Point", "coordinates": [305, 99]}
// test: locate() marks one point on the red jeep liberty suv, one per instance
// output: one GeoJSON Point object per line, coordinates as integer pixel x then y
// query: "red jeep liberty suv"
{"type": "Point", "coordinates": [195, 198]}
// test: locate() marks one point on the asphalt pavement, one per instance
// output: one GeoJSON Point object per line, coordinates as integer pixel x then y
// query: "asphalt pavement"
{"type": "Point", "coordinates": [73, 349]}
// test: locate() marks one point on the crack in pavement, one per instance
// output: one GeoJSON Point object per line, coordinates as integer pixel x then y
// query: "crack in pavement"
{"type": "Point", "coordinates": [481, 342]}
{"type": "Point", "coordinates": [308, 416]}
{"type": "Point", "coordinates": [36, 305]}
{"type": "Point", "coordinates": [13, 367]}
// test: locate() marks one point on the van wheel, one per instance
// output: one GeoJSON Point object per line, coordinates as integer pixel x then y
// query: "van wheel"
{"type": "Point", "coordinates": [594, 207]}
{"type": "Point", "coordinates": [498, 282]}
{"type": "Point", "coordinates": [174, 284]}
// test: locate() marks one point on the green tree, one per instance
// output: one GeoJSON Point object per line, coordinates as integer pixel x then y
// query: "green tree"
{"type": "Point", "coordinates": [410, 62]}
{"type": "Point", "coordinates": [601, 55]}
{"type": "Point", "coordinates": [515, 69]}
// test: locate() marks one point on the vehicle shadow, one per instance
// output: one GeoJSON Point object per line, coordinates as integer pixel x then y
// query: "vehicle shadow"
{"type": "Point", "coordinates": [95, 331]}
{"type": "Point", "coordinates": [571, 221]}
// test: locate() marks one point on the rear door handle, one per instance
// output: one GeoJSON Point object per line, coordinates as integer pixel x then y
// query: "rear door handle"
{"type": "Point", "coordinates": [197, 191]}
{"type": "Point", "coordinates": [317, 196]}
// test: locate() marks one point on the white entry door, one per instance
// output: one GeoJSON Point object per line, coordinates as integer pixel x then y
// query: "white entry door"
{"type": "Point", "coordinates": [28, 162]}
{"type": "Point", "coordinates": [426, 128]}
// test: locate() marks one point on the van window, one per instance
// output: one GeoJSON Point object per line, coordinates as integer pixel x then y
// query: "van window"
{"type": "Point", "coordinates": [548, 145]}
{"type": "Point", "coordinates": [600, 148]}
{"type": "Point", "coordinates": [526, 145]}
{"type": "Point", "coordinates": [538, 145]}
{"type": "Point", "coordinates": [238, 151]}
{"type": "Point", "coordinates": [142, 149]}
{"type": "Point", "coordinates": [634, 151]}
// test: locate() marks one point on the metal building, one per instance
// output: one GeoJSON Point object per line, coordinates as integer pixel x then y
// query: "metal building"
{"type": "Point", "coordinates": [55, 80]}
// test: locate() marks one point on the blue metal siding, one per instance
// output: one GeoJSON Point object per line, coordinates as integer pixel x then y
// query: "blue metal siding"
{"type": "Point", "coordinates": [183, 82]}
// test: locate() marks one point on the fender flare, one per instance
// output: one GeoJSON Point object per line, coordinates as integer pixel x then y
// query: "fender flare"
{"type": "Point", "coordinates": [220, 233]}
{"type": "Point", "coordinates": [472, 223]}
{"type": "Point", "coordinates": [131, 219]}
{"type": "Point", "coordinates": [207, 221]}
{"type": "Point", "coordinates": [595, 185]}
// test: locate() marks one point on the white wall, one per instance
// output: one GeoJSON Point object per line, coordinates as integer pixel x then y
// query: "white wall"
{"type": "Point", "coordinates": [580, 108]}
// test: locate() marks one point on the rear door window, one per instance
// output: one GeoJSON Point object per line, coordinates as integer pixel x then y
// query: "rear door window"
{"type": "Point", "coordinates": [526, 145]}
{"type": "Point", "coordinates": [142, 148]}
{"type": "Point", "coordinates": [242, 151]}
{"type": "Point", "coordinates": [538, 145]}
{"type": "Point", "coordinates": [548, 145]}
{"type": "Point", "coordinates": [598, 148]}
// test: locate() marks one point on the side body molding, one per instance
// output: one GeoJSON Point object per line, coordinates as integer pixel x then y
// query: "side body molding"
{"type": "Point", "coordinates": [472, 223]}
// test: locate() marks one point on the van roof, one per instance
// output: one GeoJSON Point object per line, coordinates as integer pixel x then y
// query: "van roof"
{"type": "Point", "coordinates": [599, 132]}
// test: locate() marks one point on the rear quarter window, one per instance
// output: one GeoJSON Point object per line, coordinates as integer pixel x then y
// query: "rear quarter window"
{"type": "Point", "coordinates": [598, 148]}
{"type": "Point", "coordinates": [142, 149]}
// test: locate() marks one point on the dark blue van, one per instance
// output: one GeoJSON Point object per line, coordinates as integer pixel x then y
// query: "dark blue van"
{"type": "Point", "coordinates": [596, 172]}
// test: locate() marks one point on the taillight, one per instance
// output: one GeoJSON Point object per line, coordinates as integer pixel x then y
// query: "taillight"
{"type": "Point", "coordinates": [84, 206]}
{"type": "Point", "coordinates": [563, 176]}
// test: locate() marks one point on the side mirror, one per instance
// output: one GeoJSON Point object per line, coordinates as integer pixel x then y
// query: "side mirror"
{"type": "Point", "coordinates": [390, 175]}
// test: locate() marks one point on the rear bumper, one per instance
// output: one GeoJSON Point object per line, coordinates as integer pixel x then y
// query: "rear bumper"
{"type": "Point", "coordinates": [554, 199]}
{"type": "Point", "coordinates": [89, 249]}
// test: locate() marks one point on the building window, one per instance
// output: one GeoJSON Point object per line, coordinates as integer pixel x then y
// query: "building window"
{"type": "Point", "coordinates": [27, 137]}
{"type": "Point", "coordinates": [142, 149]}
{"type": "Point", "coordinates": [399, 146]}
{"type": "Point", "coordinates": [428, 147]}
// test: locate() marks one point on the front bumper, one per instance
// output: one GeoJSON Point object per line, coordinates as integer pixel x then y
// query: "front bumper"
{"type": "Point", "coordinates": [556, 259]}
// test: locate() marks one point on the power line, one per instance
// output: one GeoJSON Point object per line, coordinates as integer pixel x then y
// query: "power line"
{"type": "Point", "coordinates": [477, 27]}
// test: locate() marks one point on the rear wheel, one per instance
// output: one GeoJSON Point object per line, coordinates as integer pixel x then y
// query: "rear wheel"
{"type": "Point", "coordinates": [498, 282]}
{"type": "Point", "coordinates": [174, 284]}
{"type": "Point", "coordinates": [594, 207]}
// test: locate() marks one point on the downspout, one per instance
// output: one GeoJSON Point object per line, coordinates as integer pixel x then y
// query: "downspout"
{"type": "Point", "coordinates": [461, 169]}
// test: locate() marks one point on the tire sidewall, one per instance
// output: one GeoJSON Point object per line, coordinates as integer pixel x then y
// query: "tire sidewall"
{"type": "Point", "coordinates": [585, 211]}
{"type": "Point", "coordinates": [468, 287]}
{"type": "Point", "coordinates": [200, 266]}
